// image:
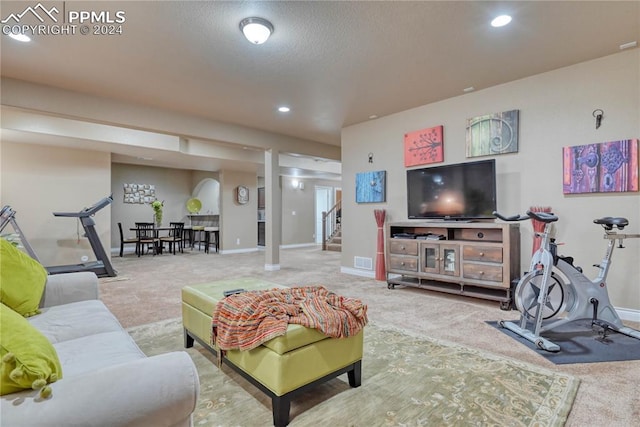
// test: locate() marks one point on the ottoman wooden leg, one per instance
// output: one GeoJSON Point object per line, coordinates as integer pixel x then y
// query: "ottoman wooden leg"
{"type": "Point", "coordinates": [355, 375]}
{"type": "Point", "coordinates": [281, 406]}
{"type": "Point", "coordinates": [188, 339]}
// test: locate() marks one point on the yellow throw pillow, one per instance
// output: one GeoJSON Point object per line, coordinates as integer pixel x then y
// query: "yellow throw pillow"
{"type": "Point", "coordinates": [28, 359]}
{"type": "Point", "coordinates": [22, 280]}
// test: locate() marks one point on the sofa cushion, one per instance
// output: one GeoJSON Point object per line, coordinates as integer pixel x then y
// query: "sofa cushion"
{"type": "Point", "coordinates": [28, 358]}
{"type": "Point", "coordinates": [75, 320]}
{"type": "Point", "coordinates": [22, 278]}
{"type": "Point", "coordinates": [91, 353]}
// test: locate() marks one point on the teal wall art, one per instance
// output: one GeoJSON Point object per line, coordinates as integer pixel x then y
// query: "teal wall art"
{"type": "Point", "coordinates": [370, 187]}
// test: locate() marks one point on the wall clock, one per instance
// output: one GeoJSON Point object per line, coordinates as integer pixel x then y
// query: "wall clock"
{"type": "Point", "coordinates": [242, 194]}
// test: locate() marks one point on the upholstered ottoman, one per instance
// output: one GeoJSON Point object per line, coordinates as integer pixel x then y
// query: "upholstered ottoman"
{"type": "Point", "coordinates": [282, 367]}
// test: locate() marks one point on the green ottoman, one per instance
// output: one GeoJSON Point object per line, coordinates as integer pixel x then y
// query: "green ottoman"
{"type": "Point", "coordinates": [282, 367]}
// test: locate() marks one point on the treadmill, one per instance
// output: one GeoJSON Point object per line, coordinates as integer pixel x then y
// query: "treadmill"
{"type": "Point", "coordinates": [102, 266]}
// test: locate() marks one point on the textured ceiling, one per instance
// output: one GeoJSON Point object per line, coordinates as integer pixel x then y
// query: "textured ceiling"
{"type": "Point", "coordinates": [334, 63]}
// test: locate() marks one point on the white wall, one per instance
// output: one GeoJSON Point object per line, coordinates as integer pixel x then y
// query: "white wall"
{"type": "Point", "coordinates": [555, 111]}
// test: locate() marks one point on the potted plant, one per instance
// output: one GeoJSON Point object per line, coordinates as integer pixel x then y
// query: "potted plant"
{"type": "Point", "coordinates": [157, 211]}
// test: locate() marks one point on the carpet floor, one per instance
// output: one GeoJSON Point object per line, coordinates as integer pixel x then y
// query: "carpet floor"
{"type": "Point", "coordinates": [147, 290]}
{"type": "Point", "coordinates": [406, 381]}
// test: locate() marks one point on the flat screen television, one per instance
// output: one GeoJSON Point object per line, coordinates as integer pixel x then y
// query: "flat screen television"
{"type": "Point", "coordinates": [464, 191]}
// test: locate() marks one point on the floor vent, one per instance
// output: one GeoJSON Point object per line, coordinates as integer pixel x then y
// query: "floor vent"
{"type": "Point", "coordinates": [363, 263]}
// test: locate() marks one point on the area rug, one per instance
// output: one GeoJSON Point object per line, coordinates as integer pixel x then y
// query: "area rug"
{"type": "Point", "coordinates": [406, 381]}
{"type": "Point", "coordinates": [580, 343]}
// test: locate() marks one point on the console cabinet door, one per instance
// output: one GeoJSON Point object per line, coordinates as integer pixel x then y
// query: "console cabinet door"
{"type": "Point", "coordinates": [430, 258]}
{"type": "Point", "coordinates": [440, 258]}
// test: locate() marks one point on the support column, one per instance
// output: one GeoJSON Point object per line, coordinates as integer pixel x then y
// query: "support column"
{"type": "Point", "coordinates": [273, 210]}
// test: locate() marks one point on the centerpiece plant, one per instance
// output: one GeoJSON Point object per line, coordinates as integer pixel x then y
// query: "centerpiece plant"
{"type": "Point", "coordinates": [157, 211]}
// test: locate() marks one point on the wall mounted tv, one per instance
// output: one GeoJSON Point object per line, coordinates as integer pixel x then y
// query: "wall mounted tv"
{"type": "Point", "coordinates": [463, 191]}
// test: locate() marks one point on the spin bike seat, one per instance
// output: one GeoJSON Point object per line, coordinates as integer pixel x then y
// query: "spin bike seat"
{"type": "Point", "coordinates": [608, 222]}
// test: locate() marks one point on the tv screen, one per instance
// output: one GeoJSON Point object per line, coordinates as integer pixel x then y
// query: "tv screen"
{"type": "Point", "coordinates": [458, 192]}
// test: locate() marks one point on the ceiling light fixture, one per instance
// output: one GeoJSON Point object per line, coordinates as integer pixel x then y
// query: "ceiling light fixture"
{"type": "Point", "coordinates": [501, 21]}
{"type": "Point", "coordinates": [256, 30]}
{"type": "Point", "coordinates": [20, 37]}
{"type": "Point", "coordinates": [284, 109]}
{"type": "Point", "coordinates": [628, 45]}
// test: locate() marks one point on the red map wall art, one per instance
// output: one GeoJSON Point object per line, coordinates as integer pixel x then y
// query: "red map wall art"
{"type": "Point", "coordinates": [423, 146]}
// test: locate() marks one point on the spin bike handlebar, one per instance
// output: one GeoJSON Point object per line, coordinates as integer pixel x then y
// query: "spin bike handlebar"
{"type": "Point", "coordinates": [540, 216]}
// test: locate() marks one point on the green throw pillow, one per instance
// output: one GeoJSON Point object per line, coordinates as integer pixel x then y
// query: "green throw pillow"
{"type": "Point", "coordinates": [22, 280]}
{"type": "Point", "coordinates": [28, 359]}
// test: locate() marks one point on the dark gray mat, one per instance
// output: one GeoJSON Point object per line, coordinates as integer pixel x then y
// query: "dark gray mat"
{"type": "Point", "coordinates": [580, 343]}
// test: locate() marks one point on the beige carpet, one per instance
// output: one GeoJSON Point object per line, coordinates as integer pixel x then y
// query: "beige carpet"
{"type": "Point", "coordinates": [148, 290]}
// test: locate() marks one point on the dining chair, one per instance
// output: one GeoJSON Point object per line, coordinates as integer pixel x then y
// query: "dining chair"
{"type": "Point", "coordinates": [128, 240]}
{"type": "Point", "coordinates": [175, 237]}
{"type": "Point", "coordinates": [146, 236]}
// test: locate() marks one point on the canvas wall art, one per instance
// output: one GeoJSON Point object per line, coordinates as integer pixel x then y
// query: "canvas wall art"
{"type": "Point", "coordinates": [424, 146]}
{"type": "Point", "coordinates": [370, 187]}
{"type": "Point", "coordinates": [493, 134]}
{"type": "Point", "coordinates": [601, 168]}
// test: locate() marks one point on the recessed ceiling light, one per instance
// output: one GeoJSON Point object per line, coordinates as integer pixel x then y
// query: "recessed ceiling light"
{"type": "Point", "coordinates": [501, 21]}
{"type": "Point", "coordinates": [628, 45]}
{"type": "Point", "coordinates": [284, 109]}
{"type": "Point", "coordinates": [20, 37]}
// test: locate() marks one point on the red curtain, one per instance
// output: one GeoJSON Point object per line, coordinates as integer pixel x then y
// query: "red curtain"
{"type": "Point", "coordinates": [381, 272]}
{"type": "Point", "coordinates": [538, 226]}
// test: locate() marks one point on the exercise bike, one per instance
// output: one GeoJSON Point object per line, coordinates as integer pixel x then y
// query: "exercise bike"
{"type": "Point", "coordinates": [554, 291]}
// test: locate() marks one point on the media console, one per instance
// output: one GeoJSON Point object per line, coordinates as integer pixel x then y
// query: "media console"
{"type": "Point", "coordinates": [476, 259]}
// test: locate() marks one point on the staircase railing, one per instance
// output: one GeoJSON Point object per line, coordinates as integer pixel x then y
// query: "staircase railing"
{"type": "Point", "coordinates": [331, 223]}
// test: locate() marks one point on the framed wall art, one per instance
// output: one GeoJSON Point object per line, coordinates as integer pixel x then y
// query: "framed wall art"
{"type": "Point", "coordinates": [424, 146]}
{"type": "Point", "coordinates": [370, 187]}
{"type": "Point", "coordinates": [600, 168]}
{"type": "Point", "coordinates": [493, 134]}
{"type": "Point", "coordinates": [139, 193]}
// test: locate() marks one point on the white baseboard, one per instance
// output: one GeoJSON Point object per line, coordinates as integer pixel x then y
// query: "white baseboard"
{"type": "Point", "coordinates": [298, 245]}
{"type": "Point", "coordinates": [358, 272]}
{"type": "Point", "coordinates": [238, 251]}
{"type": "Point", "coordinates": [628, 314]}
{"type": "Point", "coordinates": [272, 267]}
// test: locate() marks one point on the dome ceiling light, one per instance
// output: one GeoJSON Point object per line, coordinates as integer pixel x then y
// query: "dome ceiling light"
{"type": "Point", "coordinates": [256, 30]}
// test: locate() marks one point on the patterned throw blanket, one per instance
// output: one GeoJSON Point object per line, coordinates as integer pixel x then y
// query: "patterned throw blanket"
{"type": "Point", "coordinates": [244, 321]}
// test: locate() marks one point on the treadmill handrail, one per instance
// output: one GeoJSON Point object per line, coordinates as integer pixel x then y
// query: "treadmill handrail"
{"type": "Point", "coordinates": [88, 211]}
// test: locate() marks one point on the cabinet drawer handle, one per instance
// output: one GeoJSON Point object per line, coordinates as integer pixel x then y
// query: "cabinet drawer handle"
{"type": "Point", "coordinates": [402, 263]}
{"type": "Point", "coordinates": [481, 273]}
{"type": "Point", "coordinates": [481, 253]}
{"type": "Point", "coordinates": [402, 248]}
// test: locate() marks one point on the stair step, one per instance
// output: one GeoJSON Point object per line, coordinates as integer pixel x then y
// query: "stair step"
{"type": "Point", "coordinates": [334, 247]}
{"type": "Point", "coordinates": [335, 239]}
